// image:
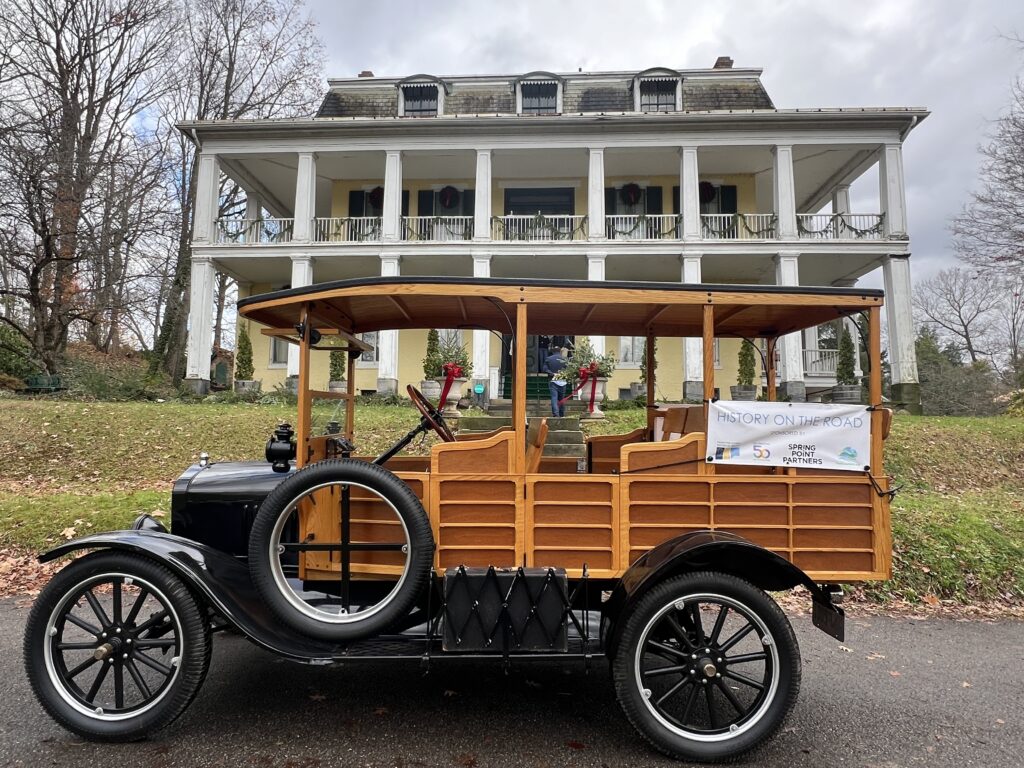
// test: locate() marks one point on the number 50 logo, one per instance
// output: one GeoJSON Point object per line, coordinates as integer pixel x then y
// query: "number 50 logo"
{"type": "Point", "coordinates": [761, 452]}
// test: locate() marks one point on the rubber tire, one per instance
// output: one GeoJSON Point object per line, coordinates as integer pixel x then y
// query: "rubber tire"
{"type": "Point", "coordinates": [195, 639]}
{"type": "Point", "coordinates": [409, 507]}
{"type": "Point", "coordinates": [631, 700]}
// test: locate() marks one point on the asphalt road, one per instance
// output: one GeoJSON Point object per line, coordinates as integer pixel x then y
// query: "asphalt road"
{"type": "Point", "coordinates": [907, 692]}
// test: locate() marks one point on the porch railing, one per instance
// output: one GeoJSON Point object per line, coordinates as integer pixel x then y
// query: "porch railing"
{"type": "Point", "coordinates": [643, 227]}
{"type": "Point", "coordinates": [820, 362]}
{"type": "Point", "coordinates": [437, 228]}
{"type": "Point", "coordinates": [255, 231]}
{"type": "Point", "coordinates": [349, 229]}
{"type": "Point", "coordinates": [539, 227]}
{"type": "Point", "coordinates": [841, 226]}
{"type": "Point", "coordinates": [737, 226]}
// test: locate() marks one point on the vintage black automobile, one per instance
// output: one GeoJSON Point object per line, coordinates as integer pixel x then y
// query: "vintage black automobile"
{"type": "Point", "coordinates": [655, 557]}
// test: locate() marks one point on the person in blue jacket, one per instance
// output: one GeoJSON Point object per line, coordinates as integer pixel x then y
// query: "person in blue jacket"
{"type": "Point", "coordinates": [554, 366]}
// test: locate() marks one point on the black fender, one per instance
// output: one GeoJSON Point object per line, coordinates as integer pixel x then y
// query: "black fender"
{"type": "Point", "coordinates": [219, 579]}
{"type": "Point", "coordinates": [722, 552]}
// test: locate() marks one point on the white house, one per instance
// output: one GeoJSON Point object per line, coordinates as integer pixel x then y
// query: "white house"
{"type": "Point", "coordinates": [688, 175]}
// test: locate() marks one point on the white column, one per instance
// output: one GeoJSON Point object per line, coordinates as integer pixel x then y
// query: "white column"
{"type": "Point", "coordinates": [900, 320]}
{"type": "Point", "coordinates": [302, 275]}
{"type": "Point", "coordinates": [595, 271]}
{"type": "Point", "coordinates": [387, 341]}
{"type": "Point", "coordinates": [482, 337]}
{"type": "Point", "coordinates": [689, 193]}
{"type": "Point", "coordinates": [482, 200]}
{"type": "Point", "coordinates": [791, 370]}
{"type": "Point", "coordinates": [305, 199]}
{"type": "Point", "coordinates": [595, 196]}
{"type": "Point", "coordinates": [253, 211]}
{"type": "Point", "coordinates": [891, 193]}
{"type": "Point", "coordinates": [391, 226]}
{"type": "Point", "coordinates": [784, 191]}
{"type": "Point", "coordinates": [207, 199]}
{"type": "Point", "coordinates": [841, 199]}
{"type": "Point", "coordinates": [200, 324]}
{"type": "Point", "coordinates": [693, 347]}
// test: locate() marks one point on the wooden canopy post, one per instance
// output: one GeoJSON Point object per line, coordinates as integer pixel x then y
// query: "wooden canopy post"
{"type": "Point", "coordinates": [649, 379]}
{"type": "Point", "coordinates": [875, 386]}
{"type": "Point", "coordinates": [769, 372]}
{"type": "Point", "coordinates": [709, 357]}
{"type": "Point", "coordinates": [350, 404]}
{"type": "Point", "coordinates": [305, 392]}
{"type": "Point", "coordinates": [519, 388]}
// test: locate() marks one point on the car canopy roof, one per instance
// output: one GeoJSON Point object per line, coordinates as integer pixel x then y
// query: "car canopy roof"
{"type": "Point", "coordinates": [557, 306]}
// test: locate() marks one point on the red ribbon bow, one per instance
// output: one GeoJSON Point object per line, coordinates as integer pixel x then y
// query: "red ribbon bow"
{"type": "Point", "coordinates": [452, 371]}
{"type": "Point", "coordinates": [587, 373]}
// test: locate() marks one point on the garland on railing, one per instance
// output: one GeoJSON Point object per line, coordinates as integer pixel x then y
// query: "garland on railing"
{"type": "Point", "coordinates": [838, 222]}
{"type": "Point", "coordinates": [731, 226]}
{"type": "Point", "coordinates": [359, 228]}
{"type": "Point", "coordinates": [272, 229]}
{"type": "Point", "coordinates": [464, 232]}
{"type": "Point", "coordinates": [538, 223]}
{"type": "Point", "coordinates": [644, 218]}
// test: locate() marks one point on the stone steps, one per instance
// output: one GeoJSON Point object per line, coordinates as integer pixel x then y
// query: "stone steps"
{"type": "Point", "coordinates": [565, 438]}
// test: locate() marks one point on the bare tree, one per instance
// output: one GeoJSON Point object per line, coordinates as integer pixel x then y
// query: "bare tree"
{"type": "Point", "coordinates": [990, 231]}
{"type": "Point", "coordinates": [238, 59]}
{"type": "Point", "coordinates": [76, 74]}
{"type": "Point", "coordinates": [961, 304]}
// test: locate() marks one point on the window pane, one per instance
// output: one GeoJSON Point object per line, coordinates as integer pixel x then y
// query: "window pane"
{"type": "Point", "coordinates": [657, 96]}
{"type": "Point", "coordinates": [540, 98]}
{"type": "Point", "coordinates": [631, 349]}
{"type": "Point", "coordinates": [278, 351]}
{"type": "Point", "coordinates": [420, 100]}
{"type": "Point", "coordinates": [370, 356]}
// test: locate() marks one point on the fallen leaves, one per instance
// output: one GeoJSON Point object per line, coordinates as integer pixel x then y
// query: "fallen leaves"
{"type": "Point", "coordinates": [23, 574]}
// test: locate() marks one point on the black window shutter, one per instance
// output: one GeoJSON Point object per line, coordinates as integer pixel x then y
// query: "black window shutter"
{"type": "Point", "coordinates": [728, 202]}
{"type": "Point", "coordinates": [425, 202]}
{"type": "Point", "coordinates": [654, 201]}
{"type": "Point", "coordinates": [675, 199]}
{"type": "Point", "coordinates": [405, 202]}
{"type": "Point", "coordinates": [468, 202]}
{"type": "Point", "coordinates": [356, 203]}
{"type": "Point", "coordinates": [609, 201]}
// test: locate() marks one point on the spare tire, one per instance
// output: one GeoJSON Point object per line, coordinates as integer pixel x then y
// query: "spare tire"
{"type": "Point", "coordinates": [325, 609]}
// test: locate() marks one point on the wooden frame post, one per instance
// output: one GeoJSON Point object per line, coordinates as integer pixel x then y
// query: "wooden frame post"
{"type": "Point", "coordinates": [709, 355]}
{"type": "Point", "coordinates": [519, 389]}
{"type": "Point", "coordinates": [769, 372]}
{"type": "Point", "coordinates": [875, 387]}
{"type": "Point", "coordinates": [650, 381]}
{"type": "Point", "coordinates": [350, 405]}
{"type": "Point", "coordinates": [305, 393]}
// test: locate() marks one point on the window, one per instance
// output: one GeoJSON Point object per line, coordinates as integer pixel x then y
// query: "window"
{"type": "Point", "coordinates": [539, 98]}
{"type": "Point", "coordinates": [631, 351]}
{"type": "Point", "coordinates": [658, 95]}
{"type": "Point", "coordinates": [718, 354]}
{"type": "Point", "coordinates": [369, 358]}
{"type": "Point", "coordinates": [420, 101]}
{"type": "Point", "coordinates": [278, 352]}
{"type": "Point", "coordinates": [450, 336]}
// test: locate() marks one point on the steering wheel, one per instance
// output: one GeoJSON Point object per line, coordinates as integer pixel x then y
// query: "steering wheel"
{"type": "Point", "coordinates": [430, 414]}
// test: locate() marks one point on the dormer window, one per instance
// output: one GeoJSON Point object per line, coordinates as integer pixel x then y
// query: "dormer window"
{"type": "Point", "coordinates": [420, 101]}
{"type": "Point", "coordinates": [658, 95]}
{"type": "Point", "coordinates": [539, 93]}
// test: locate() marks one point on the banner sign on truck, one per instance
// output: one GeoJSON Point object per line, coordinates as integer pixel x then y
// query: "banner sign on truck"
{"type": "Point", "coordinates": [815, 435]}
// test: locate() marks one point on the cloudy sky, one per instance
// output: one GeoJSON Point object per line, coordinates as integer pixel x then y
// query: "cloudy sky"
{"type": "Point", "coordinates": [950, 56]}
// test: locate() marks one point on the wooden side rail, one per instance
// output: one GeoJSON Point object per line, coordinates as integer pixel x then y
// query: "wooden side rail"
{"type": "Point", "coordinates": [603, 451]}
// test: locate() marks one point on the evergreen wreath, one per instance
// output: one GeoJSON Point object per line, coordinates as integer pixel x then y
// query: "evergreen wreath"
{"type": "Point", "coordinates": [706, 192]}
{"type": "Point", "coordinates": [376, 197]}
{"type": "Point", "coordinates": [448, 197]}
{"type": "Point", "coordinates": [630, 193]}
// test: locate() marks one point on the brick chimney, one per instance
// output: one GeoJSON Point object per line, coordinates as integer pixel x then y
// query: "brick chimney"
{"type": "Point", "coordinates": [369, 73]}
{"type": "Point", "coordinates": [723, 62]}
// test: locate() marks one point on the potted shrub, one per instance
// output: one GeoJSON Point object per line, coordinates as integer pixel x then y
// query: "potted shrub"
{"type": "Point", "coordinates": [429, 386]}
{"type": "Point", "coordinates": [453, 354]}
{"type": "Point", "coordinates": [847, 389]}
{"type": "Point", "coordinates": [745, 389]}
{"type": "Point", "coordinates": [584, 356]}
{"type": "Point", "coordinates": [244, 383]}
{"type": "Point", "coordinates": [338, 367]}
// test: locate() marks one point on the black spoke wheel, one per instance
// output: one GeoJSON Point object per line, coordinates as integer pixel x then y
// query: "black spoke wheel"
{"type": "Point", "coordinates": [116, 647]}
{"type": "Point", "coordinates": [707, 667]}
{"type": "Point", "coordinates": [363, 575]}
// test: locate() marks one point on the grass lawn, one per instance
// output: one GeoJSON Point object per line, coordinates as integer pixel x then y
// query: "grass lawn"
{"type": "Point", "coordinates": [74, 468]}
